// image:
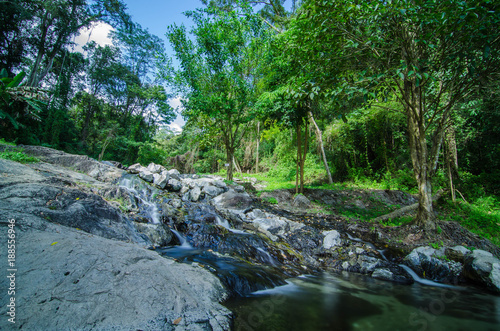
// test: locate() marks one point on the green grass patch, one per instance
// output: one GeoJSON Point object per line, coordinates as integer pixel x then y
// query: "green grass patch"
{"type": "Point", "coordinates": [481, 216]}
{"type": "Point", "coordinates": [3, 142]}
{"type": "Point", "coordinates": [17, 155]}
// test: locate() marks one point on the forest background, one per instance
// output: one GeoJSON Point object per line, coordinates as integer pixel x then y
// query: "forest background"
{"type": "Point", "coordinates": [327, 94]}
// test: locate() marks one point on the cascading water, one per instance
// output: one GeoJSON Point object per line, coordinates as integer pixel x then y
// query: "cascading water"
{"type": "Point", "coordinates": [144, 194]}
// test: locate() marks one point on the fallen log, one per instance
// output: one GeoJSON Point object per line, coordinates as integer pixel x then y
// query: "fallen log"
{"type": "Point", "coordinates": [400, 212]}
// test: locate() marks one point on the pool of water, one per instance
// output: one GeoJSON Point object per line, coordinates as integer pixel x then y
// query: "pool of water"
{"type": "Point", "coordinates": [347, 301]}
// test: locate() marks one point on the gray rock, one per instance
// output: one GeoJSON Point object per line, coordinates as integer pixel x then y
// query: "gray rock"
{"type": "Point", "coordinates": [331, 239]}
{"type": "Point", "coordinates": [220, 184]}
{"type": "Point", "coordinates": [383, 274]}
{"type": "Point", "coordinates": [430, 261]}
{"type": "Point", "coordinates": [158, 234]}
{"type": "Point", "coordinates": [146, 175]}
{"type": "Point", "coordinates": [174, 172]}
{"type": "Point", "coordinates": [457, 253]}
{"type": "Point", "coordinates": [301, 201]}
{"type": "Point", "coordinates": [368, 264]}
{"type": "Point", "coordinates": [174, 185]}
{"type": "Point", "coordinates": [176, 203]}
{"type": "Point", "coordinates": [135, 168]}
{"type": "Point", "coordinates": [483, 268]}
{"type": "Point", "coordinates": [212, 191]}
{"type": "Point", "coordinates": [155, 168]}
{"type": "Point", "coordinates": [76, 281]}
{"type": "Point", "coordinates": [160, 180]}
{"type": "Point", "coordinates": [238, 188]}
{"type": "Point", "coordinates": [232, 200]}
{"type": "Point", "coordinates": [195, 194]}
{"type": "Point", "coordinates": [82, 163]}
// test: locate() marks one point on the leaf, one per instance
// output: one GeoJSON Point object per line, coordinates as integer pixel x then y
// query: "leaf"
{"type": "Point", "coordinates": [17, 80]}
{"type": "Point", "coordinates": [177, 321]}
{"type": "Point", "coordinates": [55, 242]}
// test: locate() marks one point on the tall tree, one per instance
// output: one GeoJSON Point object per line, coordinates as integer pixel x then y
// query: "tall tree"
{"type": "Point", "coordinates": [429, 54]}
{"type": "Point", "coordinates": [217, 75]}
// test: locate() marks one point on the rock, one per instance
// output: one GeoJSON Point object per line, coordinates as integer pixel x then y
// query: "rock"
{"type": "Point", "coordinates": [383, 274]}
{"type": "Point", "coordinates": [159, 234]}
{"type": "Point", "coordinates": [176, 203]}
{"type": "Point", "coordinates": [173, 172]}
{"type": "Point", "coordinates": [429, 261]}
{"type": "Point", "coordinates": [174, 185]}
{"type": "Point", "coordinates": [135, 168]}
{"type": "Point", "coordinates": [160, 180]}
{"type": "Point", "coordinates": [483, 268]}
{"type": "Point", "coordinates": [155, 168]}
{"type": "Point", "coordinates": [212, 191]}
{"type": "Point", "coordinates": [195, 194]}
{"type": "Point", "coordinates": [238, 188]}
{"type": "Point", "coordinates": [82, 163]}
{"type": "Point", "coordinates": [457, 253]}
{"type": "Point", "coordinates": [75, 281]}
{"type": "Point", "coordinates": [146, 175]}
{"type": "Point", "coordinates": [232, 200]}
{"type": "Point", "coordinates": [332, 239]}
{"type": "Point", "coordinates": [301, 201]}
{"type": "Point", "coordinates": [117, 164]}
{"type": "Point", "coordinates": [220, 184]}
{"type": "Point", "coordinates": [368, 264]}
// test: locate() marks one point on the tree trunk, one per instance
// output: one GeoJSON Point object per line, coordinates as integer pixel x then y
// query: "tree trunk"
{"type": "Point", "coordinates": [258, 142]}
{"type": "Point", "coordinates": [229, 155]}
{"type": "Point", "coordinates": [297, 170]}
{"type": "Point", "coordinates": [419, 156]}
{"type": "Point", "coordinates": [319, 136]}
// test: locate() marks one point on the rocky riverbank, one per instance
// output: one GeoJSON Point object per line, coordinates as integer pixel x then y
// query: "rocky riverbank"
{"type": "Point", "coordinates": [83, 228]}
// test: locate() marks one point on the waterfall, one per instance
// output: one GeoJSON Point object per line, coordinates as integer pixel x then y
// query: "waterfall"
{"type": "Point", "coordinates": [143, 193]}
{"type": "Point", "coordinates": [370, 245]}
{"type": "Point", "coordinates": [182, 239]}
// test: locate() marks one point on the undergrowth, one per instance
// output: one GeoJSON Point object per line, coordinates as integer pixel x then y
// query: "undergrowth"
{"type": "Point", "coordinates": [17, 155]}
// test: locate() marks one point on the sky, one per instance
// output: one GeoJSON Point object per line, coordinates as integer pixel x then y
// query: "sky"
{"type": "Point", "coordinates": [154, 15]}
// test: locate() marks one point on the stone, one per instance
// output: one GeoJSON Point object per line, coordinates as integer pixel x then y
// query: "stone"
{"type": "Point", "coordinates": [135, 168]}
{"type": "Point", "coordinates": [80, 282]}
{"type": "Point", "coordinates": [383, 274]}
{"type": "Point", "coordinates": [457, 253]}
{"type": "Point", "coordinates": [232, 200]}
{"type": "Point", "coordinates": [431, 262]}
{"type": "Point", "coordinates": [331, 239]}
{"type": "Point", "coordinates": [212, 191]}
{"type": "Point", "coordinates": [146, 175]}
{"type": "Point", "coordinates": [176, 203]}
{"type": "Point", "coordinates": [174, 185]}
{"type": "Point", "coordinates": [238, 188]}
{"type": "Point", "coordinates": [159, 234]}
{"type": "Point", "coordinates": [155, 168]}
{"type": "Point", "coordinates": [483, 268]}
{"type": "Point", "coordinates": [195, 194]}
{"type": "Point", "coordinates": [160, 180]}
{"type": "Point", "coordinates": [368, 264]}
{"type": "Point", "coordinates": [301, 201]}
{"type": "Point", "coordinates": [173, 172]}
{"type": "Point", "coordinates": [220, 184]}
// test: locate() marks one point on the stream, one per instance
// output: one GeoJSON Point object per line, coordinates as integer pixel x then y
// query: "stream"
{"type": "Point", "coordinates": [269, 292]}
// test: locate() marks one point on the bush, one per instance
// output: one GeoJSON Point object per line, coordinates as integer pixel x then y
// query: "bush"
{"type": "Point", "coordinates": [17, 155]}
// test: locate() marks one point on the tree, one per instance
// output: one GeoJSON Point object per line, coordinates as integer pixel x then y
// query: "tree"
{"type": "Point", "coordinates": [217, 76]}
{"type": "Point", "coordinates": [429, 54]}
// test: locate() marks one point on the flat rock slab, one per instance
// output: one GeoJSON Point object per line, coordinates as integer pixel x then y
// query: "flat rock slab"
{"type": "Point", "coordinates": [67, 280]}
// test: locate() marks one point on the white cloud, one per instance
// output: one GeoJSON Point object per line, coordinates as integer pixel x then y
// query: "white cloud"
{"type": "Point", "coordinates": [98, 32]}
{"type": "Point", "coordinates": [175, 127]}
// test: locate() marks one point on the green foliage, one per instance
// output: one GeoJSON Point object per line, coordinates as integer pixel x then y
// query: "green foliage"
{"type": "Point", "coordinates": [270, 200]}
{"type": "Point", "coordinates": [18, 155]}
{"type": "Point", "coordinates": [481, 216]}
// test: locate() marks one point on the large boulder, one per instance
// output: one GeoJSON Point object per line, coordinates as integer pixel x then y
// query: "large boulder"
{"type": "Point", "coordinates": [155, 168]}
{"type": "Point", "coordinates": [70, 280]}
{"type": "Point", "coordinates": [82, 163]}
{"type": "Point", "coordinates": [146, 175]}
{"type": "Point", "coordinates": [300, 201]}
{"type": "Point", "coordinates": [233, 200]}
{"type": "Point", "coordinates": [135, 168]}
{"type": "Point", "coordinates": [160, 180]}
{"type": "Point", "coordinates": [431, 263]}
{"type": "Point", "coordinates": [483, 268]}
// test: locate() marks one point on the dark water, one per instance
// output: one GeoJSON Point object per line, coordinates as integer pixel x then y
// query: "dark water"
{"type": "Point", "coordinates": [347, 301]}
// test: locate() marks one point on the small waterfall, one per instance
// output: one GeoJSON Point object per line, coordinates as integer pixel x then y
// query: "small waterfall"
{"type": "Point", "coordinates": [143, 193]}
{"type": "Point", "coordinates": [225, 223]}
{"type": "Point", "coordinates": [268, 258]}
{"type": "Point", "coordinates": [426, 281]}
{"type": "Point", "coordinates": [182, 240]}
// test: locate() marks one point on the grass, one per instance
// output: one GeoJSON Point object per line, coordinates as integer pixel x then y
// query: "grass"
{"type": "Point", "coordinates": [17, 155]}
{"type": "Point", "coordinates": [482, 216]}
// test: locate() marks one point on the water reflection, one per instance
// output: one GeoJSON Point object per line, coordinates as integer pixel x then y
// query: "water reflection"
{"type": "Point", "coordinates": [347, 301]}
